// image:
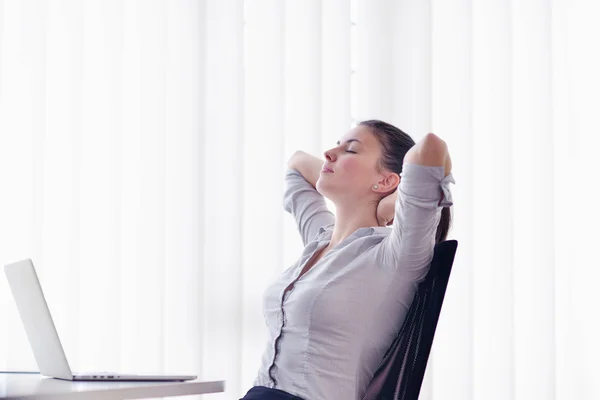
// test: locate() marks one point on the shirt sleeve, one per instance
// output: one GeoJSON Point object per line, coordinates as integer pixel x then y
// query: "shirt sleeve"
{"type": "Point", "coordinates": [306, 205]}
{"type": "Point", "coordinates": [422, 193]}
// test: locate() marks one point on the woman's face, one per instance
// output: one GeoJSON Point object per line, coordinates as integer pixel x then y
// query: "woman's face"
{"type": "Point", "coordinates": [351, 168]}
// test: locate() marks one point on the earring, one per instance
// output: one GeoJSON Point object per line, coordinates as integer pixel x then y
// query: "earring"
{"type": "Point", "coordinates": [375, 186]}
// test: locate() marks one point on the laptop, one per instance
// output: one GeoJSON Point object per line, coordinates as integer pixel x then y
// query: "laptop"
{"type": "Point", "coordinates": [42, 334]}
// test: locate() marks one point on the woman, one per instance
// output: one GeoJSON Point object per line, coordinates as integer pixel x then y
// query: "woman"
{"type": "Point", "coordinates": [332, 315]}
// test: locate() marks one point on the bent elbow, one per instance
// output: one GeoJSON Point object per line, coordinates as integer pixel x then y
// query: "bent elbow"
{"type": "Point", "coordinates": [293, 160]}
{"type": "Point", "coordinates": [430, 151]}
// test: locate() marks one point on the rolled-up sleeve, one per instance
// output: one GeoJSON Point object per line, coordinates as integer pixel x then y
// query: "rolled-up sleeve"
{"type": "Point", "coordinates": [306, 205]}
{"type": "Point", "coordinates": [422, 193]}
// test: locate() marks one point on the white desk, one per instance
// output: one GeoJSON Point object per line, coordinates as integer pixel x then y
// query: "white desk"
{"type": "Point", "coordinates": [33, 386]}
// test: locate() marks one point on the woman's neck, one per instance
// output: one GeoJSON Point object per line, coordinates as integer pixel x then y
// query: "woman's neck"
{"type": "Point", "coordinates": [350, 218]}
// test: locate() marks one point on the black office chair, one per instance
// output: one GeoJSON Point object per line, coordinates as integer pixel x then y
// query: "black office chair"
{"type": "Point", "coordinates": [400, 374]}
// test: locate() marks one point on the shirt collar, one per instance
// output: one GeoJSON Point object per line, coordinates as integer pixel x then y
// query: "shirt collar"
{"type": "Point", "coordinates": [326, 231]}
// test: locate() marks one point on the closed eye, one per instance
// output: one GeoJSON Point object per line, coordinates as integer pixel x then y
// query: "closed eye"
{"type": "Point", "coordinates": [350, 151]}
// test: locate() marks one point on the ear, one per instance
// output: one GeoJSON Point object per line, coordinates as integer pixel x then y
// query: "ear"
{"type": "Point", "coordinates": [388, 182]}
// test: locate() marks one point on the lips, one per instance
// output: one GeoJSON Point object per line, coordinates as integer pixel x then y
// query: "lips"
{"type": "Point", "coordinates": [326, 170]}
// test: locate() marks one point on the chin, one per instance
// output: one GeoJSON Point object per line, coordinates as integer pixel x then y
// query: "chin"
{"type": "Point", "coordinates": [328, 190]}
{"type": "Point", "coordinates": [323, 188]}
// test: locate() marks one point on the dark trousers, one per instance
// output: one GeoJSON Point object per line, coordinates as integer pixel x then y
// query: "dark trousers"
{"type": "Point", "coordinates": [265, 393]}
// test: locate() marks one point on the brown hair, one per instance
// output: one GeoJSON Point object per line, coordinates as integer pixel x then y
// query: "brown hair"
{"type": "Point", "coordinates": [395, 144]}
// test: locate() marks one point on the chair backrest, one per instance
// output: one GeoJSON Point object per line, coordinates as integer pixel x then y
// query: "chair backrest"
{"type": "Point", "coordinates": [400, 374]}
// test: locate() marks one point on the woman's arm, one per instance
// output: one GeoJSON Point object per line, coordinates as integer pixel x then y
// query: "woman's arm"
{"type": "Point", "coordinates": [423, 191]}
{"type": "Point", "coordinates": [308, 166]}
{"type": "Point", "coordinates": [301, 199]}
{"type": "Point", "coordinates": [431, 151]}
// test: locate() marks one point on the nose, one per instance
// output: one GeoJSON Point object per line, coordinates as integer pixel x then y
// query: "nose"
{"type": "Point", "coordinates": [330, 155]}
